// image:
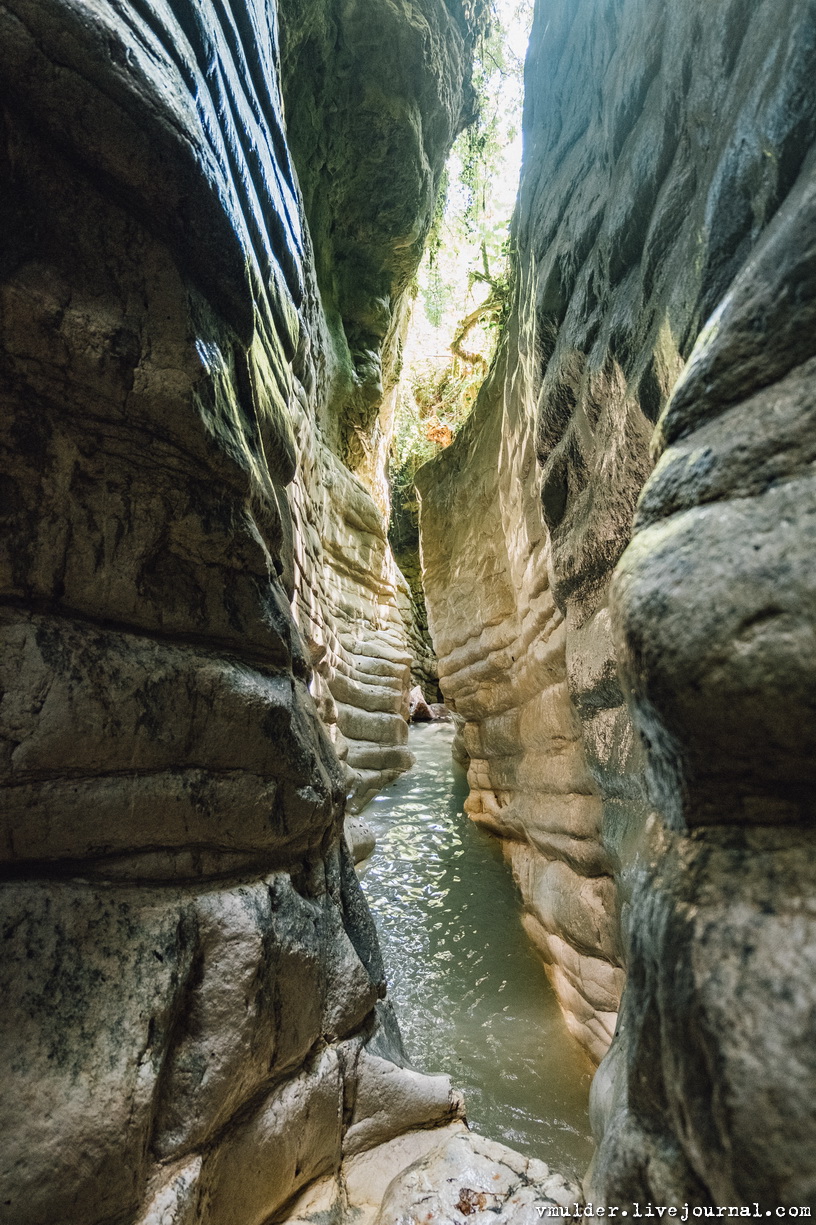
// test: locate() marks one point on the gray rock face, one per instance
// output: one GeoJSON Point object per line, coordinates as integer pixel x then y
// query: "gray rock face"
{"type": "Point", "coordinates": [728, 513]}
{"type": "Point", "coordinates": [665, 218]}
{"type": "Point", "coordinates": [706, 1097]}
{"type": "Point", "coordinates": [716, 621]}
{"type": "Point", "coordinates": [658, 189]}
{"type": "Point", "coordinates": [190, 974]}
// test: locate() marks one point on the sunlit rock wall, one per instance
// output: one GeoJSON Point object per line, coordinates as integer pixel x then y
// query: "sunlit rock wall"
{"type": "Point", "coordinates": [666, 202]}
{"type": "Point", "coordinates": [192, 1025]}
{"type": "Point", "coordinates": [403, 532]}
{"type": "Point", "coordinates": [499, 638]}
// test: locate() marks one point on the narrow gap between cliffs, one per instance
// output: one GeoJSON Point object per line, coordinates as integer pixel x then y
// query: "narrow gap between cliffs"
{"type": "Point", "coordinates": [468, 987]}
{"type": "Point", "coordinates": [461, 295]}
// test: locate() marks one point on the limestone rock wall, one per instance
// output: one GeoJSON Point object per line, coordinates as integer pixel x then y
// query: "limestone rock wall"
{"type": "Point", "coordinates": [641, 199]}
{"type": "Point", "coordinates": [664, 215]}
{"type": "Point", "coordinates": [375, 95]}
{"type": "Point", "coordinates": [347, 602]}
{"type": "Point", "coordinates": [403, 532]}
{"type": "Point", "coordinates": [678, 226]}
{"type": "Point", "coordinates": [193, 1023]}
{"type": "Point", "coordinates": [499, 637]}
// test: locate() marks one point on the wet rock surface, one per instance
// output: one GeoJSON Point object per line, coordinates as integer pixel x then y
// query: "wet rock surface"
{"type": "Point", "coordinates": [191, 978]}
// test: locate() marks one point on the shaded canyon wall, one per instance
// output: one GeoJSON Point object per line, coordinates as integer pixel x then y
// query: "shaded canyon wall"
{"type": "Point", "coordinates": [193, 1022]}
{"type": "Point", "coordinates": [374, 100]}
{"type": "Point", "coordinates": [665, 214]}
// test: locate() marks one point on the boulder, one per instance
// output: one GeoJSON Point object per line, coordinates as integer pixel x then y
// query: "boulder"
{"type": "Point", "coordinates": [477, 1179]}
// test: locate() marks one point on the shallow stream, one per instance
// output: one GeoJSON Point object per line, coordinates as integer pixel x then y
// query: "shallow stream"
{"type": "Point", "coordinates": [471, 995]}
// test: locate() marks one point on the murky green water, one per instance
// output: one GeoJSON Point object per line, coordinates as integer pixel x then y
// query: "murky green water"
{"type": "Point", "coordinates": [471, 996]}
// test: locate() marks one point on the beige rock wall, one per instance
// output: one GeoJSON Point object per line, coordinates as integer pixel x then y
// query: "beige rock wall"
{"type": "Point", "coordinates": [347, 590]}
{"type": "Point", "coordinates": [500, 641]}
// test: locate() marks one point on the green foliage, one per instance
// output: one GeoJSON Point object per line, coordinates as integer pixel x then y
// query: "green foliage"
{"type": "Point", "coordinates": [464, 284]}
{"type": "Point", "coordinates": [433, 405]}
{"type": "Point", "coordinates": [411, 447]}
{"type": "Point", "coordinates": [437, 296]}
{"type": "Point", "coordinates": [434, 241]}
{"type": "Point", "coordinates": [481, 145]}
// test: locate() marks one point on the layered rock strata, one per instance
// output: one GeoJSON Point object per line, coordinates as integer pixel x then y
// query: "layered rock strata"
{"type": "Point", "coordinates": [349, 604]}
{"type": "Point", "coordinates": [375, 96]}
{"type": "Point", "coordinates": [666, 203]}
{"type": "Point", "coordinates": [499, 638]}
{"type": "Point", "coordinates": [193, 1026]}
{"type": "Point", "coordinates": [715, 612]}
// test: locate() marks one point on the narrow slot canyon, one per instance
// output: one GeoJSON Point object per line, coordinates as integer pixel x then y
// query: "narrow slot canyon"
{"type": "Point", "coordinates": [408, 611]}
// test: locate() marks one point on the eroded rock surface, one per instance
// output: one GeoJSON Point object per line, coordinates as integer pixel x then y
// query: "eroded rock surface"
{"type": "Point", "coordinates": [666, 214]}
{"type": "Point", "coordinates": [446, 1176]}
{"type": "Point", "coordinates": [716, 618]}
{"type": "Point", "coordinates": [375, 95]}
{"type": "Point", "coordinates": [193, 1022]}
{"type": "Point", "coordinates": [499, 638]}
{"type": "Point", "coordinates": [478, 1179]}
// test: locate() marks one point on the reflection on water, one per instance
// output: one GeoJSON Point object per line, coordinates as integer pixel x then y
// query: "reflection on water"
{"type": "Point", "coordinates": [471, 996]}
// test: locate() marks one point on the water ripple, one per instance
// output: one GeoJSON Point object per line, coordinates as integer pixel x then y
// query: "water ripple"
{"type": "Point", "coordinates": [471, 996]}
